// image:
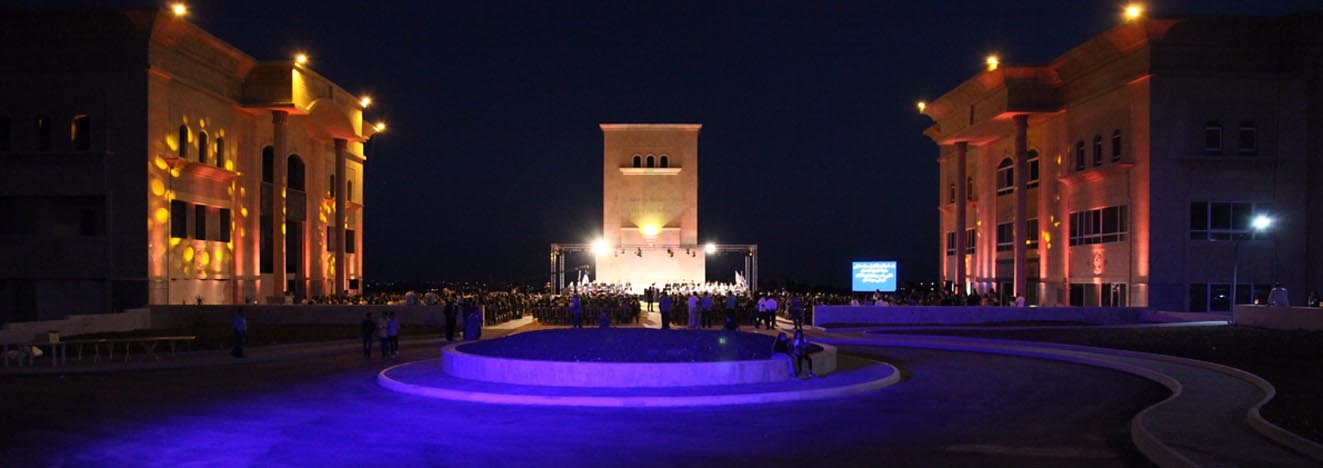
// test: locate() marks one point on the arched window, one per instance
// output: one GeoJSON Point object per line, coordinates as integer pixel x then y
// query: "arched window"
{"type": "Point", "coordinates": [183, 141]}
{"type": "Point", "coordinates": [1116, 145]}
{"type": "Point", "coordinates": [349, 190]}
{"type": "Point", "coordinates": [80, 132]}
{"type": "Point", "coordinates": [638, 161]}
{"type": "Point", "coordinates": [294, 173]}
{"type": "Point", "coordinates": [969, 188]}
{"type": "Point", "coordinates": [1005, 176]}
{"type": "Point", "coordinates": [268, 165]}
{"type": "Point", "coordinates": [1033, 168]}
{"type": "Point", "coordinates": [43, 133]}
{"type": "Point", "coordinates": [652, 161]}
{"type": "Point", "coordinates": [330, 186]}
{"type": "Point", "coordinates": [220, 152]}
{"type": "Point", "coordinates": [1079, 155]}
{"type": "Point", "coordinates": [202, 147]}
{"type": "Point", "coordinates": [665, 161]}
{"type": "Point", "coordinates": [1097, 150]}
{"type": "Point", "coordinates": [5, 133]}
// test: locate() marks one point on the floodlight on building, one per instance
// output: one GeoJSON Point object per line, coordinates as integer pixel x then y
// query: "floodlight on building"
{"type": "Point", "coordinates": [301, 59]}
{"type": "Point", "coordinates": [710, 248]}
{"type": "Point", "coordinates": [179, 8]}
{"type": "Point", "coordinates": [1134, 11]}
{"type": "Point", "coordinates": [992, 62]}
{"type": "Point", "coordinates": [600, 247]}
{"type": "Point", "coordinates": [650, 230]}
{"type": "Point", "coordinates": [365, 101]}
{"type": "Point", "coordinates": [1261, 222]}
{"type": "Point", "coordinates": [922, 106]}
{"type": "Point", "coordinates": [379, 127]}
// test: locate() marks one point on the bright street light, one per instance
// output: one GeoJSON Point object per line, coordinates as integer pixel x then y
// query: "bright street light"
{"type": "Point", "coordinates": [1261, 222]}
{"type": "Point", "coordinates": [600, 248]}
{"type": "Point", "coordinates": [710, 248]}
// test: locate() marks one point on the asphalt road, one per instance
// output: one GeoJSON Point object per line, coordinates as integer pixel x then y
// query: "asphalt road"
{"type": "Point", "coordinates": [952, 409]}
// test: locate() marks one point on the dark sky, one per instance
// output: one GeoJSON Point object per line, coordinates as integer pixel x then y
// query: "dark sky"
{"type": "Point", "coordinates": [811, 146]}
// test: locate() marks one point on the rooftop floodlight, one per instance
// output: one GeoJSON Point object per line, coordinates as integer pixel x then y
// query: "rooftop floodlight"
{"type": "Point", "coordinates": [710, 248]}
{"type": "Point", "coordinates": [600, 248]}
{"type": "Point", "coordinates": [1134, 11]}
{"type": "Point", "coordinates": [301, 59]}
{"type": "Point", "coordinates": [365, 101]}
{"type": "Point", "coordinates": [1261, 222]}
{"type": "Point", "coordinates": [992, 62]}
{"type": "Point", "coordinates": [179, 8]}
{"type": "Point", "coordinates": [379, 127]}
{"type": "Point", "coordinates": [922, 106]}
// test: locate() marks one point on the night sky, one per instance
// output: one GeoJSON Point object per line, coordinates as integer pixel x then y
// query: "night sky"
{"type": "Point", "coordinates": [811, 145]}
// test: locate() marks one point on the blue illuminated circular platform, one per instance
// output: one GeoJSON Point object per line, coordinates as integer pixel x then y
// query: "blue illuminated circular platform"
{"type": "Point", "coordinates": [631, 368]}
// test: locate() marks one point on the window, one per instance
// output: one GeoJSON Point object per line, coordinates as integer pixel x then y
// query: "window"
{"type": "Point", "coordinates": [1199, 297]}
{"type": "Point", "coordinates": [1031, 234]}
{"type": "Point", "coordinates": [1213, 137]}
{"type": "Point", "coordinates": [665, 161]}
{"type": "Point", "coordinates": [1249, 139]}
{"type": "Point", "coordinates": [183, 141]}
{"type": "Point", "coordinates": [1116, 145]}
{"type": "Point", "coordinates": [224, 225]}
{"type": "Point", "coordinates": [638, 161]}
{"type": "Point", "coordinates": [950, 198]}
{"type": "Point", "coordinates": [202, 147]}
{"type": "Point", "coordinates": [1005, 177]}
{"type": "Point", "coordinates": [349, 241]}
{"type": "Point", "coordinates": [43, 133]}
{"type": "Point", "coordinates": [652, 161]}
{"type": "Point", "coordinates": [1033, 168]}
{"type": "Point", "coordinates": [266, 261]}
{"type": "Point", "coordinates": [178, 219]}
{"type": "Point", "coordinates": [294, 173]}
{"type": "Point", "coordinates": [1079, 155]}
{"type": "Point", "coordinates": [200, 222]}
{"type": "Point", "coordinates": [79, 133]}
{"type": "Point", "coordinates": [969, 188]}
{"type": "Point", "coordinates": [330, 186]}
{"type": "Point", "coordinates": [5, 134]}
{"type": "Point", "coordinates": [1005, 237]}
{"type": "Point", "coordinates": [950, 243]}
{"type": "Point", "coordinates": [349, 190]}
{"type": "Point", "coordinates": [220, 152]}
{"type": "Point", "coordinates": [268, 165]}
{"type": "Point", "coordinates": [330, 239]}
{"type": "Point", "coordinates": [1099, 226]}
{"type": "Point", "coordinates": [1226, 220]}
{"type": "Point", "coordinates": [1215, 297]}
{"type": "Point", "coordinates": [969, 241]}
{"type": "Point", "coordinates": [1097, 150]}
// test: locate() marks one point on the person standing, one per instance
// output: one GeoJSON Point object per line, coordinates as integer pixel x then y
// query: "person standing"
{"type": "Point", "coordinates": [576, 313]}
{"type": "Point", "coordinates": [694, 310]}
{"type": "Point", "coordinates": [771, 312]}
{"type": "Point", "coordinates": [707, 310]}
{"type": "Point", "coordinates": [762, 310]}
{"type": "Point", "coordinates": [649, 295]}
{"type": "Point", "coordinates": [1277, 297]}
{"type": "Point", "coordinates": [797, 312]}
{"type": "Point", "coordinates": [665, 306]}
{"type": "Point", "coordinates": [369, 330]}
{"type": "Point", "coordinates": [732, 319]}
{"type": "Point", "coordinates": [382, 338]}
{"type": "Point", "coordinates": [240, 327]}
{"type": "Point", "coordinates": [452, 313]}
{"type": "Point", "coordinates": [393, 333]}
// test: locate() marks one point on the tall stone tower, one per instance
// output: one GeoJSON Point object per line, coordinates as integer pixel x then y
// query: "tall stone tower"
{"type": "Point", "coordinates": [650, 205]}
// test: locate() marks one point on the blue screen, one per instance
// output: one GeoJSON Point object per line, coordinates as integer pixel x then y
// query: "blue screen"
{"type": "Point", "coordinates": [873, 276]}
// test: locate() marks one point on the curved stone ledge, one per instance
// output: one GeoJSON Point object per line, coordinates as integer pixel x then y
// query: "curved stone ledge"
{"type": "Point", "coordinates": [625, 374]}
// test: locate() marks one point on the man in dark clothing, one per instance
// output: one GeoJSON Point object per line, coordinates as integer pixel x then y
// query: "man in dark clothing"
{"type": "Point", "coordinates": [368, 328]}
{"type": "Point", "coordinates": [452, 313]}
{"type": "Point", "coordinates": [665, 306]}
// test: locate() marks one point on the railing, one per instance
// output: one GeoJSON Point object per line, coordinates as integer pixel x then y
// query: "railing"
{"type": "Point", "coordinates": [59, 350]}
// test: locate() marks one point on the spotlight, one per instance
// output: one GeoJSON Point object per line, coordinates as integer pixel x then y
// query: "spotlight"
{"type": "Point", "coordinates": [301, 59]}
{"type": "Point", "coordinates": [1133, 11]}
{"type": "Point", "coordinates": [365, 101]}
{"type": "Point", "coordinates": [179, 9]}
{"type": "Point", "coordinates": [710, 248]}
{"type": "Point", "coordinates": [600, 248]}
{"type": "Point", "coordinates": [922, 106]}
{"type": "Point", "coordinates": [992, 62]}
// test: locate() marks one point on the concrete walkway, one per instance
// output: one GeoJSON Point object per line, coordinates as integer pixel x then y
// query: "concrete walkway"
{"type": "Point", "coordinates": [1211, 419]}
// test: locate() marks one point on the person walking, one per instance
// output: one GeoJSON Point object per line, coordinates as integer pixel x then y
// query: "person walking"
{"type": "Point", "coordinates": [369, 330]}
{"type": "Point", "coordinates": [665, 306]}
{"type": "Point", "coordinates": [452, 315]}
{"type": "Point", "coordinates": [240, 326]}
{"type": "Point", "coordinates": [393, 333]}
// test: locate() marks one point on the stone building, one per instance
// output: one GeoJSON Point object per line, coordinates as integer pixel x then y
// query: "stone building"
{"type": "Point", "coordinates": [149, 162]}
{"type": "Point", "coordinates": [1129, 170]}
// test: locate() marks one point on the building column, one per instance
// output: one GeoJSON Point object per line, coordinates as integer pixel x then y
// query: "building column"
{"type": "Point", "coordinates": [338, 232]}
{"type": "Point", "coordinates": [279, 119]}
{"type": "Point", "coordinates": [1021, 123]}
{"type": "Point", "coordinates": [961, 208]}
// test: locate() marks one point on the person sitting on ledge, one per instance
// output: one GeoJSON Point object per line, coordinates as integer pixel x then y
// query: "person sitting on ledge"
{"type": "Point", "coordinates": [781, 345]}
{"type": "Point", "coordinates": [801, 349]}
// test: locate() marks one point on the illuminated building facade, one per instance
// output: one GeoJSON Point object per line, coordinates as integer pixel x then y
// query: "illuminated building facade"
{"type": "Point", "coordinates": [148, 162]}
{"type": "Point", "coordinates": [1128, 170]}
{"type": "Point", "coordinates": [650, 205]}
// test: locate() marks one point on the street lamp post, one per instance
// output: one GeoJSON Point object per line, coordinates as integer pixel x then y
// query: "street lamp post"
{"type": "Point", "coordinates": [1259, 224]}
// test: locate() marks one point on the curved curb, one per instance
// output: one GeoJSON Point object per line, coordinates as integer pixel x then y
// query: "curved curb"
{"type": "Point", "coordinates": [1157, 451]}
{"type": "Point", "coordinates": [887, 375]}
